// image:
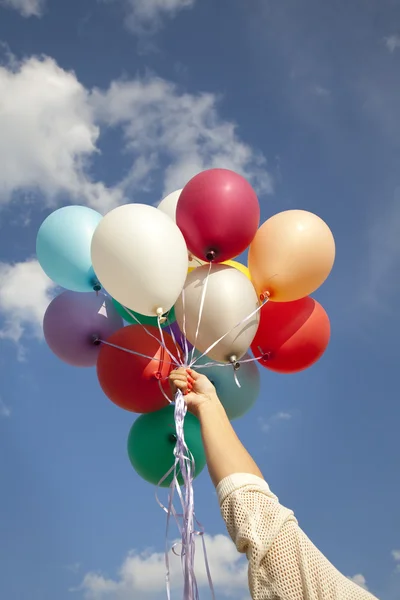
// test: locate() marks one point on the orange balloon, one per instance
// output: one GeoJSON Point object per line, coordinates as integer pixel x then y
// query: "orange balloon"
{"type": "Point", "coordinates": [291, 336]}
{"type": "Point", "coordinates": [291, 255]}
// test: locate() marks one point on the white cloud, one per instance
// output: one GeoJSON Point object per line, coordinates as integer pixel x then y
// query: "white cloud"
{"type": "Point", "coordinates": [148, 15]}
{"type": "Point", "coordinates": [50, 125]}
{"type": "Point", "coordinates": [143, 575]}
{"type": "Point", "coordinates": [163, 125]}
{"type": "Point", "coordinates": [359, 580]}
{"type": "Point", "coordinates": [74, 567]}
{"type": "Point", "coordinates": [25, 292]}
{"type": "Point", "coordinates": [5, 411]}
{"type": "Point", "coordinates": [27, 8]}
{"type": "Point", "coordinates": [396, 558]}
{"type": "Point", "coordinates": [266, 424]}
{"type": "Point", "coordinates": [392, 42]}
{"type": "Point", "coordinates": [48, 134]}
{"type": "Point", "coordinates": [396, 555]}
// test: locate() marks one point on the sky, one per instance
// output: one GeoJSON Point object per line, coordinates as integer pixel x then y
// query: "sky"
{"type": "Point", "coordinates": [110, 101]}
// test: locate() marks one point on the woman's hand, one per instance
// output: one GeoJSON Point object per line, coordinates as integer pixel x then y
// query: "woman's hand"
{"type": "Point", "coordinates": [224, 452]}
{"type": "Point", "coordinates": [198, 390]}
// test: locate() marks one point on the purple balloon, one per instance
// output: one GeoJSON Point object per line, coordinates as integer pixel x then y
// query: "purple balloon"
{"type": "Point", "coordinates": [180, 338]}
{"type": "Point", "coordinates": [74, 320]}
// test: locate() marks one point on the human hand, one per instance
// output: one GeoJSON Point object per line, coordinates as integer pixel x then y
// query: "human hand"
{"type": "Point", "coordinates": [198, 390]}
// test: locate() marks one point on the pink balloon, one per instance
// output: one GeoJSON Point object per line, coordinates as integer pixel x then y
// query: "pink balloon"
{"type": "Point", "coordinates": [219, 214]}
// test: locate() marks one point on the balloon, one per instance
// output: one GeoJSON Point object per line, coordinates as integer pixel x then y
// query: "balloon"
{"type": "Point", "coordinates": [142, 318]}
{"type": "Point", "coordinates": [291, 255]}
{"type": "Point", "coordinates": [74, 321]}
{"type": "Point", "coordinates": [218, 213]}
{"type": "Point", "coordinates": [179, 337]}
{"type": "Point", "coordinates": [230, 297]}
{"type": "Point", "coordinates": [152, 441]}
{"type": "Point", "coordinates": [291, 335]}
{"type": "Point", "coordinates": [63, 247]}
{"type": "Point", "coordinates": [239, 266]}
{"type": "Point", "coordinates": [140, 257]}
{"type": "Point", "coordinates": [168, 204]}
{"type": "Point", "coordinates": [133, 382]}
{"type": "Point", "coordinates": [237, 401]}
{"type": "Point", "coordinates": [231, 263]}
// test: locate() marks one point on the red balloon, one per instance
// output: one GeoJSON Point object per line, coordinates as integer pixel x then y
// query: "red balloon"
{"type": "Point", "coordinates": [292, 336]}
{"type": "Point", "coordinates": [131, 381]}
{"type": "Point", "coordinates": [219, 214]}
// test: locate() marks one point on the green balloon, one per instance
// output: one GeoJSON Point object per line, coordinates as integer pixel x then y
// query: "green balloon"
{"type": "Point", "coordinates": [143, 319]}
{"type": "Point", "coordinates": [151, 444]}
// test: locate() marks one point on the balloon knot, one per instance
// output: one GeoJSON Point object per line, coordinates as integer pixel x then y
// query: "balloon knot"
{"type": "Point", "coordinates": [96, 341]}
{"type": "Point", "coordinates": [265, 296]}
{"type": "Point", "coordinates": [97, 287]}
{"type": "Point", "coordinates": [172, 438]}
{"type": "Point", "coordinates": [211, 255]}
{"type": "Point", "coordinates": [158, 375]}
{"type": "Point", "coordinates": [234, 362]}
{"type": "Point", "coordinates": [264, 355]}
{"type": "Point", "coordinates": [160, 315]}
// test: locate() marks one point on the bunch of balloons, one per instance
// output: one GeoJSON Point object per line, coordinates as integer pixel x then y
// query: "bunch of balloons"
{"type": "Point", "coordinates": [148, 289]}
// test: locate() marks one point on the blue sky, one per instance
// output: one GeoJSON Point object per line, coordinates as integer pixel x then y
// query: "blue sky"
{"type": "Point", "coordinates": [103, 102]}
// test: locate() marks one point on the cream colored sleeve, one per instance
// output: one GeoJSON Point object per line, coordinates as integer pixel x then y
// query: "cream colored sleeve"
{"type": "Point", "coordinates": [283, 563]}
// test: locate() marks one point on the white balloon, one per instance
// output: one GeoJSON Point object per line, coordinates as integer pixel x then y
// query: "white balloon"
{"type": "Point", "coordinates": [139, 256]}
{"type": "Point", "coordinates": [168, 206]}
{"type": "Point", "coordinates": [169, 203]}
{"type": "Point", "coordinates": [230, 298]}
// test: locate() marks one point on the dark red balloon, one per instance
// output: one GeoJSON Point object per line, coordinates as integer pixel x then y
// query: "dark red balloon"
{"type": "Point", "coordinates": [133, 382]}
{"type": "Point", "coordinates": [292, 336]}
{"type": "Point", "coordinates": [219, 214]}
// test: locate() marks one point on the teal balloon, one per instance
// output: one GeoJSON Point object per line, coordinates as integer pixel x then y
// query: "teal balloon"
{"type": "Point", "coordinates": [63, 247]}
{"type": "Point", "coordinates": [144, 319]}
{"type": "Point", "coordinates": [151, 444]}
{"type": "Point", "coordinates": [237, 401]}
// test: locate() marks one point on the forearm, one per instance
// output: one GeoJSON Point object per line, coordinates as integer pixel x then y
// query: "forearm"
{"type": "Point", "coordinates": [225, 453]}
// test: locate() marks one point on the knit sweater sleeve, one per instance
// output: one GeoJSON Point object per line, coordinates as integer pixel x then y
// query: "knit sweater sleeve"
{"type": "Point", "coordinates": [283, 563]}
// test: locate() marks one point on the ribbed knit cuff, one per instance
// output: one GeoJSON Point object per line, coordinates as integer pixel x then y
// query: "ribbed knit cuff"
{"type": "Point", "coordinates": [239, 480]}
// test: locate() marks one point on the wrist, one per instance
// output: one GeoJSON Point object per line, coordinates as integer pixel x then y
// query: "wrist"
{"type": "Point", "coordinates": [210, 408]}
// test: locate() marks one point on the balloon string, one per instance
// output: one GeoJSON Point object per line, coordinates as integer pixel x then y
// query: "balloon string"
{"type": "Point", "coordinates": [196, 260]}
{"type": "Point", "coordinates": [236, 378]}
{"type": "Point", "coordinates": [163, 392]}
{"type": "Point", "coordinates": [161, 360]}
{"type": "Point", "coordinates": [184, 465]}
{"type": "Point", "coordinates": [184, 328]}
{"type": "Point", "coordinates": [164, 346]}
{"type": "Point", "coordinates": [205, 366]}
{"type": "Point", "coordinates": [201, 308]}
{"type": "Point", "coordinates": [131, 314]}
{"type": "Point", "coordinates": [241, 362]}
{"type": "Point", "coordinates": [178, 350]}
{"type": "Point", "coordinates": [187, 471]}
{"type": "Point", "coordinates": [252, 314]}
